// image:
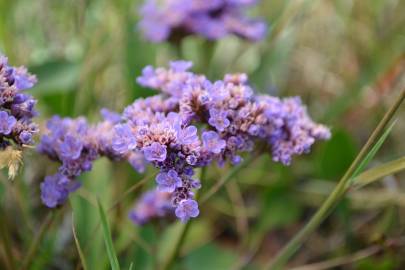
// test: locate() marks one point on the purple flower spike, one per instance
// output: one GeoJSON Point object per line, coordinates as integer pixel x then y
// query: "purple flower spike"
{"type": "Point", "coordinates": [218, 119]}
{"type": "Point", "coordinates": [212, 142]}
{"type": "Point", "coordinates": [7, 123]}
{"type": "Point", "coordinates": [71, 148]}
{"type": "Point", "coordinates": [169, 181]}
{"type": "Point", "coordinates": [187, 209]}
{"type": "Point", "coordinates": [155, 152]}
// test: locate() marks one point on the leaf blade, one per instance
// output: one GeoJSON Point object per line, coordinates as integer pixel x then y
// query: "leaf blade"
{"type": "Point", "coordinates": [112, 256]}
{"type": "Point", "coordinates": [79, 249]}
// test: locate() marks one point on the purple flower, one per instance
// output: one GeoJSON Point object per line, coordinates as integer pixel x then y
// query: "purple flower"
{"type": "Point", "coordinates": [23, 80]}
{"type": "Point", "coordinates": [214, 19]}
{"type": "Point", "coordinates": [71, 148]}
{"type": "Point", "coordinates": [169, 181]}
{"type": "Point", "coordinates": [188, 135]}
{"type": "Point", "coordinates": [7, 123]}
{"type": "Point", "coordinates": [55, 190]}
{"type": "Point", "coordinates": [212, 142]}
{"type": "Point", "coordinates": [218, 119]}
{"type": "Point", "coordinates": [124, 140]}
{"type": "Point", "coordinates": [155, 152]}
{"type": "Point", "coordinates": [25, 137]}
{"type": "Point", "coordinates": [187, 209]}
{"type": "Point", "coordinates": [152, 204]}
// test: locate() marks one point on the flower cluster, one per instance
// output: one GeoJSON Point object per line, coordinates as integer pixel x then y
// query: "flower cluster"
{"type": "Point", "coordinates": [16, 107]}
{"type": "Point", "coordinates": [212, 19]}
{"type": "Point", "coordinates": [152, 204]}
{"type": "Point", "coordinates": [193, 123]}
{"type": "Point", "coordinates": [232, 120]}
{"type": "Point", "coordinates": [75, 144]}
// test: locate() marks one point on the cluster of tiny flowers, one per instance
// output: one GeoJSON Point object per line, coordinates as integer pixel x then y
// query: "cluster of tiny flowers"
{"type": "Point", "coordinates": [75, 144]}
{"type": "Point", "coordinates": [16, 107]}
{"type": "Point", "coordinates": [193, 123]}
{"type": "Point", "coordinates": [212, 19]}
{"type": "Point", "coordinates": [152, 204]}
{"type": "Point", "coordinates": [231, 118]}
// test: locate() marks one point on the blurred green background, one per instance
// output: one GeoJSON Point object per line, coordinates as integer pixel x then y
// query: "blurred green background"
{"type": "Point", "coordinates": [345, 58]}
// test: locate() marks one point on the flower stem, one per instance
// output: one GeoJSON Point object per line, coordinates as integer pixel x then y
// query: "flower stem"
{"type": "Point", "coordinates": [284, 255]}
{"type": "Point", "coordinates": [185, 227]}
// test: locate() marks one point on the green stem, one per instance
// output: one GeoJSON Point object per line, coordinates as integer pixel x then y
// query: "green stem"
{"type": "Point", "coordinates": [38, 239]}
{"type": "Point", "coordinates": [284, 255]}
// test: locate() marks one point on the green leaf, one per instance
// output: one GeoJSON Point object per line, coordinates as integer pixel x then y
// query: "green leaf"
{"type": "Point", "coordinates": [112, 256]}
{"type": "Point", "coordinates": [57, 76]}
{"type": "Point", "coordinates": [210, 257]}
{"type": "Point", "coordinates": [381, 171]}
{"type": "Point", "coordinates": [79, 249]}
{"type": "Point", "coordinates": [336, 155]}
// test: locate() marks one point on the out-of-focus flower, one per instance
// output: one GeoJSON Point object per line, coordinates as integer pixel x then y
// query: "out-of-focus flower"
{"type": "Point", "coordinates": [152, 204]}
{"type": "Point", "coordinates": [213, 19]}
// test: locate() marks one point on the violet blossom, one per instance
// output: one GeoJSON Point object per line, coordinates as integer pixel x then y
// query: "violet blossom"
{"type": "Point", "coordinates": [214, 19]}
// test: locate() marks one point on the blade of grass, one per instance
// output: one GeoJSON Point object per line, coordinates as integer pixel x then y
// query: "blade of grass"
{"type": "Point", "coordinates": [79, 249]}
{"type": "Point", "coordinates": [294, 244]}
{"type": "Point", "coordinates": [112, 256]}
{"type": "Point", "coordinates": [370, 155]}
{"type": "Point", "coordinates": [131, 266]}
{"type": "Point", "coordinates": [376, 173]}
